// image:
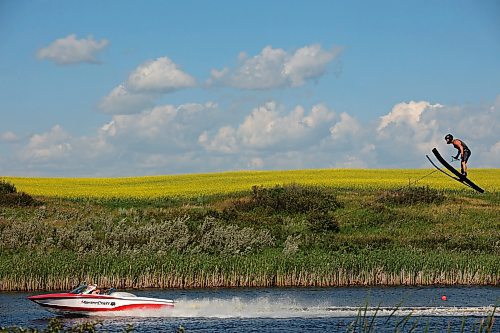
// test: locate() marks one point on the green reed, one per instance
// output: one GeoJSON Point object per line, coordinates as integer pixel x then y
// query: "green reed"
{"type": "Point", "coordinates": [63, 270]}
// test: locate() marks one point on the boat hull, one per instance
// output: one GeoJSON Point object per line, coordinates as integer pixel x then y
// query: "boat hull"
{"type": "Point", "coordinates": [98, 304]}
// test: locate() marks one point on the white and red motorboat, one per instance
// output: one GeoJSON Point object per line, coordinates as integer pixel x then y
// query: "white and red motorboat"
{"type": "Point", "coordinates": [89, 300]}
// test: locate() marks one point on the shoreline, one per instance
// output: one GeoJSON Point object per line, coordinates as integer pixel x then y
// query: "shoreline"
{"type": "Point", "coordinates": [185, 284]}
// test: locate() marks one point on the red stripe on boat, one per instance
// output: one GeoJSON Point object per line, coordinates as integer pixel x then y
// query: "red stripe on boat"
{"type": "Point", "coordinates": [72, 296]}
{"type": "Point", "coordinates": [118, 308]}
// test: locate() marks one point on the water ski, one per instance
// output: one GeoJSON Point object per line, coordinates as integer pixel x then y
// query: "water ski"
{"type": "Point", "coordinates": [459, 177]}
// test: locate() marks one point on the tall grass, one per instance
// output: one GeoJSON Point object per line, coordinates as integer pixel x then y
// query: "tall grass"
{"type": "Point", "coordinates": [63, 270]}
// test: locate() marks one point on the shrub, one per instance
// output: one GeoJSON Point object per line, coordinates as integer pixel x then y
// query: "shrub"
{"type": "Point", "coordinates": [412, 195]}
{"type": "Point", "coordinates": [294, 199]}
{"type": "Point", "coordinates": [10, 197]}
{"type": "Point", "coordinates": [17, 199]}
{"type": "Point", "coordinates": [291, 245]}
{"type": "Point", "coordinates": [107, 235]}
{"type": "Point", "coordinates": [321, 222]}
{"type": "Point", "coordinates": [230, 239]}
{"type": "Point", "coordinates": [7, 188]}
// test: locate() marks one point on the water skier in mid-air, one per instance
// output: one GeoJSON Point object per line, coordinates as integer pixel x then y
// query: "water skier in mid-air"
{"type": "Point", "coordinates": [463, 151]}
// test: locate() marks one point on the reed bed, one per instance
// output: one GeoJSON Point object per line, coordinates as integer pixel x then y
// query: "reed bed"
{"type": "Point", "coordinates": [62, 271]}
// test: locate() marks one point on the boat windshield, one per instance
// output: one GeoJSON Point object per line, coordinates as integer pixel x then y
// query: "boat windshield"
{"type": "Point", "coordinates": [80, 289]}
{"type": "Point", "coordinates": [83, 289]}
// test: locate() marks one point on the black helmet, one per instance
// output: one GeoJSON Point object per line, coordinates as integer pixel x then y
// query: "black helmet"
{"type": "Point", "coordinates": [448, 137]}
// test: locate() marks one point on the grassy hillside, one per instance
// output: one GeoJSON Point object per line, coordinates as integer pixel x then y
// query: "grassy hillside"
{"type": "Point", "coordinates": [315, 228]}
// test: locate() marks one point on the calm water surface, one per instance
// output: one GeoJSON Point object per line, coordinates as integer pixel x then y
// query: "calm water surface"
{"type": "Point", "coordinates": [285, 310]}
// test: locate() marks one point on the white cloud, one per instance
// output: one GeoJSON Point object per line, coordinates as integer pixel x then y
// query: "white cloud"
{"type": "Point", "coordinates": [404, 113]}
{"type": "Point", "coordinates": [275, 68]}
{"type": "Point", "coordinates": [70, 50]}
{"type": "Point", "coordinates": [144, 85]}
{"type": "Point", "coordinates": [307, 63]}
{"type": "Point", "coordinates": [269, 127]}
{"type": "Point", "coordinates": [159, 76]}
{"type": "Point", "coordinates": [490, 158]}
{"type": "Point", "coordinates": [162, 128]}
{"type": "Point", "coordinates": [147, 124]}
{"type": "Point", "coordinates": [58, 147]}
{"type": "Point", "coordinates": [346, 129]}
{"type": "Point", "coordinates": [121, 101]}
{"type": "Point", "coordinates": [256, 163]}
{"type": "Point", "coordinates": [8, 137]}
{"type": "Point", "coordinates": [412, 129]}
{"type": "Point", "coordinates": [350, 161]}
{"type": "Point", "coordinates": [350, 143]}
{"type": "Point", "coordinates": [198, 138]}
{"type": "Point", "coordinates": [409, 129]}
{"type": "Point", "coordinates": [225, 140]}
{"type": "Point", "coordinates": [93, 148]}
{"type": "Point", "coordinates": [52, 145]}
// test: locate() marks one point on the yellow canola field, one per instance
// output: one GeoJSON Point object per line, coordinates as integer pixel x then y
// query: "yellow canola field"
{"type": "Point", "coordinates": [195, 185]}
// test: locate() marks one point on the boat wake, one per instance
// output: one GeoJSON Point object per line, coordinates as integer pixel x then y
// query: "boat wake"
{"type": "Point", "coordinates": [269, 308]}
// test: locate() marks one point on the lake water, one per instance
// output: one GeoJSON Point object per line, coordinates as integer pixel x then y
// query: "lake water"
{"type": "Point", "coordinates": [286, 310]}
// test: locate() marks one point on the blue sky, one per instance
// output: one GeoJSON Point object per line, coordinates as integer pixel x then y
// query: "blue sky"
{"type": "Point", "coordinates": [117, 88]}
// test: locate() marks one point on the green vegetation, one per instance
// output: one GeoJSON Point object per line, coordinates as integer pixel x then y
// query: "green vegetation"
{"type": "Point", "coordinates": [56, 326]}
{"type": "Point", "coordinates": [278, 235]}
{"type": "Point", "coordinates": [10, 197]}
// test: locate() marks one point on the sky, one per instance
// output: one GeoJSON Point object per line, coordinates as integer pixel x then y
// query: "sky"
{"type": "Point", "coordinates": [131, 88]}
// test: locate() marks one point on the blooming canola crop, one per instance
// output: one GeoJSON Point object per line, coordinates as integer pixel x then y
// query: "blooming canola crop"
{"type": "Point", "coordinates": [196, 185]}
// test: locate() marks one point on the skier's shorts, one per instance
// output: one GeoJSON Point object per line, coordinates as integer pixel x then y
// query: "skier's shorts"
{"type": "Point", "coordinates": [466, 156]}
